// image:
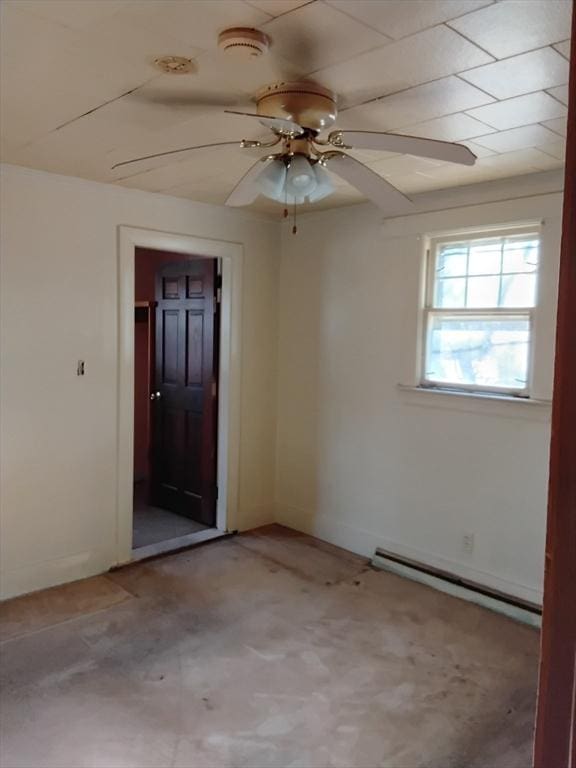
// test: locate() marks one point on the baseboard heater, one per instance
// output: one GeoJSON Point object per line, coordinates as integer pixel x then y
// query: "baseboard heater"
{"type": "Point", "coordinates": [457, 586]}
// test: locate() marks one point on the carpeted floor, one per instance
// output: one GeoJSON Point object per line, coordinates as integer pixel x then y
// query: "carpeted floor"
{"type": "Point", "coordinates": [267, 649]}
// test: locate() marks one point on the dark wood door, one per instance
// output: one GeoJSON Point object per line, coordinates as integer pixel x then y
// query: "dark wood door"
{"type": "Point", "coordinates": [184, 398]}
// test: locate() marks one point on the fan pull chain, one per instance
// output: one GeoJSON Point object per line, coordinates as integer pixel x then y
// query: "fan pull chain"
{"type": "Point", "coordinates": [294, 227]}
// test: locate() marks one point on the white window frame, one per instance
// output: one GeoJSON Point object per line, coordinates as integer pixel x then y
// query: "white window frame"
{"type": "Point", "coordinates": [432, 250]}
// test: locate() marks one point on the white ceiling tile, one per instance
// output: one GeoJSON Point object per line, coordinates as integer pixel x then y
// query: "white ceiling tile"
{"type": "Point", "coordinates": [560, 93]}
{"type": "Point", "coordinates": [519, 162]}
{"type": "Point", "coordinates": [277, 7]}
{"type": "Point", "coordinates": [525, 73]}
{"type": "Point", "coordinates": [76, 15]}
{"type": "Point", "coordinates": [316, 36]}
{"type": "Point", "coordinates": [196, 22]}
{"type": "Point", "coordinates": [518, 138]}
{"type": "Point", "coordinates": [515, 26]}
{"type": "Point", "coordinates": [556, 149]}
{"type": "Point", "coordinates": [227, 164]}
{"type": "Point", "coordinates": [440, 97]}
{"type": "Point", "coordinates": [398, 18]}
{"type": "Point", "coordinates": [563, 48]}
{"type": "Point", "coordinates": [452, 175]}
{"type": "Point", "coordinates": [33, 107]}
{"type": "Point", "coordinates": [521, 110]}
{"type": "Point", "coordinates": [412, 183]}
{"type": "Point", "coordinates": [478, 150]}
{"type": "Point", "coordinates": [404, 164]}
{"type": "Point", "coordinates": [370, 155]}
{"type": "Point", "coordinates": [89, 54]}
{"type": "Point", "coordinates": [29, 42]}
{"type": "Point", "coordinates": [202, 129]}
{"type": "Point", "coordinates": [130, 40]}
{"type": "Point", "coordinates": [450, 128]}
{"type": "Point", "coordinates": [426, 56]}
{"type": "Point", "coordinates": [558, 126]}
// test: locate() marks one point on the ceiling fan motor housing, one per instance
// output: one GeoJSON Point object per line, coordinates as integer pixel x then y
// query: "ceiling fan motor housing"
{"type": "Point", "coordinates": [307, 103]}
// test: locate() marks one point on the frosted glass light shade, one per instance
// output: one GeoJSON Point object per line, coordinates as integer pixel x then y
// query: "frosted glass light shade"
{"type": "Point", "coordinates": [272, 179]}
{"type": "Point", "coordinates": [294, 184]}
{"type": "Point", "coordinates": [300, 177]}
{"type": "Point", "coordinates": [324, 185]}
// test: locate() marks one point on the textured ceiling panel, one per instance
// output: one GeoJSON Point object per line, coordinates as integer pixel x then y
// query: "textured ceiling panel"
{"type": "Point", "coordinates": [80, 91]}
{"type": "Point", "coordinates": [528, 72]}
{"type": "Point", "coordinates": [522, 110]}
{"type": "Point", "coordinates": [398, 18]}
{"type": "Point", "coordinates": [315, 36]}
{"type": "Point", "coordinates": [505, 29]}
{"type": "Point", "coordinates": [426, 56]}
{"type": "Point", "coordinates": [423, 102]}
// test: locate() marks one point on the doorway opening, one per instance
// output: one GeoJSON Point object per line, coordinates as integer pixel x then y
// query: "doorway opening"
{"type": "Point", "coordinates": [176, 353]}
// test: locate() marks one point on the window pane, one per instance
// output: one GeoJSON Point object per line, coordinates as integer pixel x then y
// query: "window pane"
{"type": "Point", "coordinates": [452, 261]}
{"type": "Point", "coordinates": [485, 259]}
{"type": "Point", "coordinates": [520, 256]}
{"type": "Point", "coordinates": [518, 290]}
{"type": "Point", "coordinates": [451, 293]}
{"type": "Point", "coordinates": [483, 292]}
{"type": "Point", "coordinates": [486, 352]}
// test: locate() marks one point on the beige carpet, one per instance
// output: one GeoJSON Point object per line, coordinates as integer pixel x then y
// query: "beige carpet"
{"type": "Point", "coordinates": [268, 649]}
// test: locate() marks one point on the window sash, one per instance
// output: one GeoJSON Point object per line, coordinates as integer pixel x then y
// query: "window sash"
{"type": "Point", "coordinates": [436, 244]}
{"type": "Point", "coordinates": [430, 311]}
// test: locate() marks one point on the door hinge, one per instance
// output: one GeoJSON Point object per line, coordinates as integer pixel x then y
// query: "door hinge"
{"type": "Point", "coordinates": [218, 285]}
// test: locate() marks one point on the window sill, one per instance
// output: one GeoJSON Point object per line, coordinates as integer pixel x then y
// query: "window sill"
{"type": "Point", "coordinates": [478, 402]}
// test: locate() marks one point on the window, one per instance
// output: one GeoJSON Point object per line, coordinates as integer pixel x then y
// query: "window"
{"type": "Point", "coordinates": [480, 299]}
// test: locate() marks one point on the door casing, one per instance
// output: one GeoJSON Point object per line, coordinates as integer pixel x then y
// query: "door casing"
{"type": "Point", "coordinates": [229, 372]}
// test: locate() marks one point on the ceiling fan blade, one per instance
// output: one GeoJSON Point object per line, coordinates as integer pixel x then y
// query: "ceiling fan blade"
{"type": "Point", "coordinates": [176, 151]}
{"type": "Point", "coordinates": [407, 145]}
{"type": "Point", "coordinates": [278, 124]}
{"type": "Point", "coordinates": [373, 186]}
{"type": "Point", "coordinates": [246, 191]}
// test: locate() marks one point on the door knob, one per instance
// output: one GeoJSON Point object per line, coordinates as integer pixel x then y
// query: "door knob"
{"type": "Point", "coordinates": [155, 395]}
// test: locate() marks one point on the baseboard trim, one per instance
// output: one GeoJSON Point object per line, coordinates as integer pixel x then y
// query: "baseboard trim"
{"type": "Point", "coordinates": [363, 542]}
{"type": "Point", "coordinates": [443, 581]}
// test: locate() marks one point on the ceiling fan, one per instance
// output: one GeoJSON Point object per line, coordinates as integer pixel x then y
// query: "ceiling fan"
{"type": "Point", "coordinates": [293, 168]}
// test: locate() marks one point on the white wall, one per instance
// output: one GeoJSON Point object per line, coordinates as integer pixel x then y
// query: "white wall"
{"type": "Point", "coordinates": [358, 461]}
{"type": "Point", "coordinates": [362, 463]}
{"type": "Point", "coordinates": [59, 254]}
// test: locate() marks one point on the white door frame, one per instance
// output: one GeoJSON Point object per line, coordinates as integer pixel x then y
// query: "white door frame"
{"type": "Point", "coordinates": [228, 448]}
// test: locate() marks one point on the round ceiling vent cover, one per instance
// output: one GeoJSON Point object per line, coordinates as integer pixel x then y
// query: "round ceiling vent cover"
{"type": "Point", "coordinates": [175, 65]}
{"type": "Point", "coordinates": [243, 41]}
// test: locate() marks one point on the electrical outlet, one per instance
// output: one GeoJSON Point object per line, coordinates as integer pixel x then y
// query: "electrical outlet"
{"type": "Point", "coordinates": [468, 543]}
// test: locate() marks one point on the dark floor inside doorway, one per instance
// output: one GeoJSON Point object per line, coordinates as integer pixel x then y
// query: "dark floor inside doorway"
{"type": "Point", "coordinates": [152, 524]}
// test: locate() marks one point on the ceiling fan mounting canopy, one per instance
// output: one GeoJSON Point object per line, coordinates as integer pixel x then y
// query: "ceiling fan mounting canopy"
{"type": "Point", "coordinates": [303, 102]}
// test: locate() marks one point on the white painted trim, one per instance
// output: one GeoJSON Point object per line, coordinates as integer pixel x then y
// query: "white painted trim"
{"type": "Point", "coordinates": [506, 406]}
{"type": "Point", "coordinates": [231, 255]}
{"type": "Point", "coordinates": [363, 542]}
{"type": "Point", "coordinates": [463, 593]}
